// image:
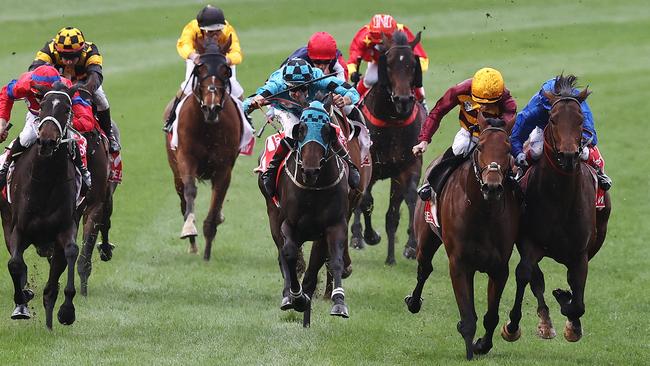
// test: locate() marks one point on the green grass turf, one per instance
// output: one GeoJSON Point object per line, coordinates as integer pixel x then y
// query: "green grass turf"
{"type": "Point", "coordinates": [155, 304]}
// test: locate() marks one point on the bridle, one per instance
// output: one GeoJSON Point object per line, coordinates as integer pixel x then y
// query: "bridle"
{"type": "Point", "coordinates": [213, 76]}
{"type": "Point", "coordinates": [393, 97]}
{"type": "Point", "coordinates": [62, 127]}
{"type": "Point", "coordinates": [493, 166]}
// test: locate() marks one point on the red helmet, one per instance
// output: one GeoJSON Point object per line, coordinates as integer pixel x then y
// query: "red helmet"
{"type": "Point", "coordinates": [321, 46]}
{"type": "Point", "coordinates": [44, 75]}
{"type": "Point", "coordinates": [381, 23]}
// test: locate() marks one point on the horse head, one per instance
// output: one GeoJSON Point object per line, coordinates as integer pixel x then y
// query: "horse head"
{"type": "Point", "coordinates": [315, 135]}
{"type": "Point", "coordinates": [55, 116]}
{"type": "Point", "coordinates": [400, 71]}
{"type": "Point", "coordinates": [564, 129]}
{"type": "Point", "coordinates": [213, 78]}
{"type": "Point", "coordinates": [492, 157]}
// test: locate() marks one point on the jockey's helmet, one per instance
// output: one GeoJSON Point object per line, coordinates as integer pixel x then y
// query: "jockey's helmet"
{"type": "Point", "coordinates": [211, 19]}
{"type": "Point", "coordinates": [296, 71]}
{"type": "Point", "coordinates": [487, 85]}
{"type": "Point", "coordinates": [44, 75]}
{"type": "Point", "coordinates": [381, 23]}
{"type": "Point", "coordinates": [69, 42]}
{"type": "Point", "coordinates": [321, 46]}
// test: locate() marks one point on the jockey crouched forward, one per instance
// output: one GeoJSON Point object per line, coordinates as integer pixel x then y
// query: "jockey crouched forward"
{"type": "Point", "coordinates": [24, 88]}
{"type": "Point", "coordinates": [289, 105]}
{"type": "Point", "coordinates": [531, 122]}
{"type": "Point", "coordinates": [80, 61]}
{"type": "Point", "coordinates": [485, 91]}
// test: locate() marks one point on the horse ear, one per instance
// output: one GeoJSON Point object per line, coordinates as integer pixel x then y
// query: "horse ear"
{"type": "Point", "coordinates": [510, 123]}
{"type": "Point", "coordinates": [387, 42]}
{"type": "Point", "coordinates": [300, 131]}
{"type": "Point", "coordinates": [583, 94]}
{"type": "Point", "coordinates": [416, 40]}
{"type": "Point", "coordinates": [480, 118]}
{"type": "Point", "coordinates": [328, 132]}
{"type": "Point", "coordinates": [226, 47]}
{"type": "Point", "coordinates": [73, 90]}
{"type": "Point", "coordinates": [550, 96]}
{"type": "Point", "coordinates": [42, 89]}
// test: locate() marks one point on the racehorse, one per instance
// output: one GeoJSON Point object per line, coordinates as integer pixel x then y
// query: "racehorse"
{"type": "Point", "coordinates": [313, 206]}
{"type": "Point", "coordinates": [43, 195]}
{"type": "Point", "coordinates": [209, 130]}
{"type": "Point", "coordinates": [560, 220]}
{"type": "Point", "coordinates": [479, 215]}
{"type": "Point", "coordinates": [395, 121]}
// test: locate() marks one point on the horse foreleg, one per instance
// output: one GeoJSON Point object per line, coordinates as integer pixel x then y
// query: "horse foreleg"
{"type": "Point", "coordinates": [409, 181]}
{"type": "Point", "coordinates": [317, 258]}
{"type": "Point", "coordinates": [66, 314]}
{"type": "Point", "coordinates": [356, 241]}
{"type": "Point", "coordinates": [511, 331]}
{"type": "Point", "coordinates": [18, 272]}
{"type": "Point", "coordinates": [220, 185]}
{"type": "Point", "coordinates": [496, 283]}
{"type": "Point", "coordinates": [370, 235]}
{"type": "Point", "coordinates": [92, 224]}
{"type": "Point", "coordinates": [572, 303]}
{"type": "Point", "coordinates": [51, 290]}
{"type": "Point", "coordinates": [106, 248]}
{"type": "Point", "coordinates": [336, 241]}
{"type": "Point", "coordinates": [189, 194]}
{"type": "Point", "coordinates": [462, 279]}
{"type": "Point", "coordinates": [428, 244]}
{"type": "Point", "coordinates": [392, 217]}
{"type": "Point", "coordinates": [537, 286]}
{"type": "Point", "coordinates": [290, 251]}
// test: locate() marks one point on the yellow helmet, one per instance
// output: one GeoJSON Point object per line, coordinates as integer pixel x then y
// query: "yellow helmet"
{"type": "Point", "coordinates": [69, 40]}
{"type": "Point", "coordinates": [487, 85]}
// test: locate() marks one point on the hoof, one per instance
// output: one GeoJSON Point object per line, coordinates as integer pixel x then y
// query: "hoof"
{"type": "Point", "coordinates": [347, 271]}
{"type": "Point", "coordinates": [301, 303]}
{"type": "Point", "coordinates": [372, 237]}
{"type": "Point", "coordinates": [413, 304]}
{"type": "Point", "coordinates": [106, 251]}
{"type": "Point", "coordinates": [286, 304]}
{"type": "Point", "coordinates": [83, 288]}
{"type": "Point", "coordinates": [545, 330]}
{"type": "Point", "coordinates": [409, 253]}
{"type": "Point", "coordinates": [66, 315]}
{"type": "Point", "coordinates": [572, 333]}
{"type": "Point", "coordinates": [481, 347]}
{"type": "Point", "coordinates": [28, 294]}
{"type": "Point", "coordinates": [390, 261]}
{"type": "Point", "coordinates": [357, 243]}
{"type": "Point", "coordinates": [340, 310]}
{"type": "Point", "coordinates": [21, 312]}
{"type": "Point", "coordinates": [510, 337]}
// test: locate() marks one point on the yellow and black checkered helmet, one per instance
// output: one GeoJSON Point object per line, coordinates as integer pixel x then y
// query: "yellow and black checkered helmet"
{"type": "Point", "coordinates": [69, 40]}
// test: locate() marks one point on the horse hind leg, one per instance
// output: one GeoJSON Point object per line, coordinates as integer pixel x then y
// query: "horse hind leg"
{"type": "Point", "coordinates": [462, 279]}
{"type": "Point", "coordinates": [85, 262]}
{"type": "Point", "coordinates": [106, 248]}
{"type": "Point", "coordinates": [545, 328]}
{"type": "Point", "coordinates": [51, 290]}
{"type": "Point", "coordinates": [428, 244]}
{"type": "Point", "coordinates": [523, 274]}
{"type": "Point", "coordinates": [392, 218]}
{"type": "Point", "coordinates": [215, 217]}
{"type": "Point", "coordinates": [370, 235]}
{"type": "Point", "coordinates": [356, 241]}
{"type": "Point", "coordinates": [410, 197]}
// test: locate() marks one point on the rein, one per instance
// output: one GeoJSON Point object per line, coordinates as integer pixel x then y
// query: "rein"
{"type": "Point", "coordinates": [295, 181]}
{"type": "Point", "coordinates": [213, 88]}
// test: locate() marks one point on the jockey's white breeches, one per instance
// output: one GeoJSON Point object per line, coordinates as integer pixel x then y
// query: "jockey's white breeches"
{"type": "Point", "coordinates": [236, 89]}
{"type": "Point", "coordinates": [464, 142]}
{"type": "Point", "coordinates": [288, 120]}
{"type": "Point", "coordinates": [536, 145]}
{"type": "Point", "coordinates": [100, 100]}
{"type": "Point", "coordinates": [30, 132]}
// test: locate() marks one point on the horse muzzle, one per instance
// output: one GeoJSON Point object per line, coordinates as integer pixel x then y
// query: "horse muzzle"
{"type": "Point", "coordinates": [492, 191]}
{"type": "Point", "coordinates": [310, 175]}
{"type": "Point", "coordinates": [403, 103]}
{"type": "Point", "coordinates": [211, 113]}
{"type": "Point", "coordinates": [46, 147]}
{"type": "Point", "coordinates": [568, 161]}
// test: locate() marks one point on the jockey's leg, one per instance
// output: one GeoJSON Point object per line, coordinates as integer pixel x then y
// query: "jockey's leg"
{"type": "Point", "coordinates": [595, 159]}
{"type": "Point", "coordinates": [369, 78]}
{"type": "Point", "coordinates": [104, 117]}
{"type": "Point", "coordinates": [236, 89]}
{"type": "Point", "coordinates": [16, 149]}
{"type": "Point", "coordinates": [420, 97]}
{"type": "Point", "coordinates": [24, 140]}
{"type": "Point", "coordinates": [354, 177]}
{"type": "Point", "coordinates": [186, 89]}
{"type": "Point", "coordinates": [268, 177]}
{"type": "Point", "coordinates": [81, 165]}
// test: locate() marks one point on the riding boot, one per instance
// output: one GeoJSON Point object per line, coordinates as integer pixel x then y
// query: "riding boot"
{"type": "Point", "coordinates": [268, 177]}
{"type": "Point", "coordinates": [85, 174]}
{"type": "Point", "coordinates": [354, 177]}
{"type": "Point", "coordinates": [104, 118]}
{"type": "Point", "coordinates": [16, 149]}
{"type": "Point", "coordinates": [430, 186]}
{"type": "Point", "coordinates": [604, 181]}
{"type": "Point", "coordinates": [172, 113]}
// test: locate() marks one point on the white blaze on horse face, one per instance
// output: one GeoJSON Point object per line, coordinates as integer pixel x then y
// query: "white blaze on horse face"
{"type": "Point", "coordinates": [401, 58]}
{"type": "Point", "coordinates": [55, 102]}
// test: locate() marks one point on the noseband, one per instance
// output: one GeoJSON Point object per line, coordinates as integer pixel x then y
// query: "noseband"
{"type": "Point", "coordinates": [62, 127]}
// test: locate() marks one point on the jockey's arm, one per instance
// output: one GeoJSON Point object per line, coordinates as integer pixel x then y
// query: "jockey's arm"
{"type": "Point", "coordinates": [83, 119]}
{"type": "Point", "coordinates": [7, 97]}
{"type": "Point", "coordinates": [445, 104]}
{"type": "Point", "coordinates": [43, 56]}
{"type": "Point", "coordinates": [343, 89]}
{"type": "Point", "coordinates": [534, 114]}
{"type": "Point", "coordinates": [588, 123]}
{"type": "Point", "coordinates": [234, 54]}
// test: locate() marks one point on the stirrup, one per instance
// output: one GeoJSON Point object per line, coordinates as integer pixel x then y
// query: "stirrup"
{"type": "Point", "coordinates": [113, 145]}
{"type": "Point", "coordinates": [425, 192]}
{"type": "Point", "coordinates": [604, 181]}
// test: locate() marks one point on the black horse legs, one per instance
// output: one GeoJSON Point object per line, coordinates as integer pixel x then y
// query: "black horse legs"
{"type": "Point", "coordinates": [572, 303]}
{"type": "Point", "coordinates": [18, 271]}
{"type": "Point", "coordinates": [462, 280]}
{"type": "Point", "coordinates": [496, 284]}
{"type": "Point", "coordinates": [66, 314]}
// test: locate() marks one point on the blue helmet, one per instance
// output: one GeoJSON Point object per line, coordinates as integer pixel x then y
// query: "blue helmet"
{"type": "Point", "coordinates": [296, 71]}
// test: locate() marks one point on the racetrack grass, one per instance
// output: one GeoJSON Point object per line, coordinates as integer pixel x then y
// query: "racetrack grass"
{"type": "Point", "coordinates": [156, 304]}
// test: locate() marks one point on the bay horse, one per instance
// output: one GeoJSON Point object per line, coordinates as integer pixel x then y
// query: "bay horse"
{"type": "Point", "coordinates": [209, 130]}
{"type": "Point", "coordinates": [395, 119]}
{"type": "Point", "coordinates": [43, 194]}
{"type": "Point", "coordinates": [479, 215]}
{"type": "Point", "coordinates": [560, 220]}
{"type": "Point", "coordinates": [313, 199]}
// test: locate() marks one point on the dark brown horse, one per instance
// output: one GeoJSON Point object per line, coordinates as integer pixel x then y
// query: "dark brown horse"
{"type": "Point", "coordinates": [43, 195]}
{"type": "Point", "coordinates": [560, 220]}
{"type": "Point", "coordinates": [391, 104]}
{"type": "Point", "coordinates": [479, 215]}
{"type": "Point", "coordinates": [209, 130]}
{"type": "Point", "coordinates": [313, 199]}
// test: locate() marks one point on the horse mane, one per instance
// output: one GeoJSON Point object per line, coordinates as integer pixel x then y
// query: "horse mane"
{"type": "Point", "coordinates": [565, 85]}
{"type": "Point", "coordinates": [400, 38]}
{"type": "Point", "coordinates": [495, 122]}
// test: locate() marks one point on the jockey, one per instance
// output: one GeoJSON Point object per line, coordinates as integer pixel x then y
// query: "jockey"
{"type": "Point", "coordinates": [321, 52]}
{"type": "Point", "coordinates": [24, 88]}
{"type": "Point", "coordinates": [209, 22]}
{"type": "Point", "coordinates": [367, 46]}
{"type": "Point", "coordinates": [79, 61]}
{"type": "Point", "coordinates": [290, 104]}
{"type": "Point", "coordinates": [486, 91]}
{"type": "Point", "coordinates": [531, 122]}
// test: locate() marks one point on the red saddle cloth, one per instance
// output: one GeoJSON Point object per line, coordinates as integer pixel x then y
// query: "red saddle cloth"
{"type": "Point", "coordinates": [600, 193]}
